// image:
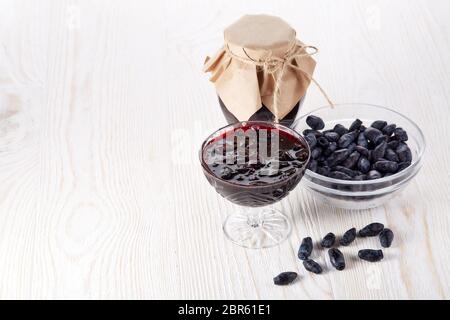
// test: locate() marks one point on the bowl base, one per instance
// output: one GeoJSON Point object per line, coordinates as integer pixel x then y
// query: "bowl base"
{"type": "Point", "coordinates": [356, 203]}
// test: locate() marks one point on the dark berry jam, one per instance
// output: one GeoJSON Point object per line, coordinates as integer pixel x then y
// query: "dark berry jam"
{"type": "Point", "coordinates": [269, 157]}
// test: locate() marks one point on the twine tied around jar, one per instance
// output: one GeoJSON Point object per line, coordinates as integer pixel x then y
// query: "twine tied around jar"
{"type": "Point", "coordinates": [276, 66]}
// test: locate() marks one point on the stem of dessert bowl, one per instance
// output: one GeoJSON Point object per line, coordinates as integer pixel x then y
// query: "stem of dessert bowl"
{"type": "Point", "coordinates": [257, 228]}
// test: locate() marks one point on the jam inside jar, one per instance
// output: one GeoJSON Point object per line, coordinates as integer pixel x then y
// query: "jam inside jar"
{"type": "Point", "coordinates": [264, 114]}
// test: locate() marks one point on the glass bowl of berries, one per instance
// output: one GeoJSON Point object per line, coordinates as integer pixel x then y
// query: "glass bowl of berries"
{"type": "Point", "coordinates": [362, 155]}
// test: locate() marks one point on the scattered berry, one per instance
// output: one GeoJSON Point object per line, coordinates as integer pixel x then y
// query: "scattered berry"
{"type": "Point", "coordinates": [337, 259]}
{"type": "Point", "coordinates": [312, 266]}
{"type": "Point", "coordinates": [305, 248]}
{"type": "Point", "coordinates": [348, 237]}
{"type": "Point", "coordinates": [371, 230]}
{"type": "Point", "coordinates": [328, 240]}
{"type": "Point", "coordinates": [285, 278]}
{"type": "Point", "coordinates": [370, 255]}
{"type": "Point", "coordinates": [386, 237]}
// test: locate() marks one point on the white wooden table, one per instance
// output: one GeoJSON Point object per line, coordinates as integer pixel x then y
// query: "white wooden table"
{"type": "Point", "coordinates": [102, 110]}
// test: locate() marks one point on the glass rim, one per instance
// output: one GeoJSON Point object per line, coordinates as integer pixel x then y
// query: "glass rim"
{"type": "Point", "coordinates": [242, 123]}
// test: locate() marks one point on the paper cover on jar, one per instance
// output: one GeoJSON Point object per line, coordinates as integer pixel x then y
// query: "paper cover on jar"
{"type": "Point", "coordinates": [261, 63]}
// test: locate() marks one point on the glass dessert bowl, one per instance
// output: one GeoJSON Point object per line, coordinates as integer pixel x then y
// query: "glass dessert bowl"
{"type": "Point", "coordinates": [254, 164]}
{"type": "Point", "coordinates": [363, 194]}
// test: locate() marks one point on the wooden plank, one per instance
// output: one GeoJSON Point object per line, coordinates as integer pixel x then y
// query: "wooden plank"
{"type": "Point", "coordinates": [103, 107]}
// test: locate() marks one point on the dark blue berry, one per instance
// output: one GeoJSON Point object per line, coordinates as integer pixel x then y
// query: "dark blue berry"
{"type": "Point", "coordinates": [340, 175]}
{"type": "Point", "coordinates": [363, 165]}
{"type": "Point", "coordinates": [386, 166]}
{"type": "Point", "coordinates": [337, 259]}
{"type": "Point", "coordinates": [363, 151]}
{"type": "Point", "coordinates": [393, 144]}
{"type": "Point", "coordinates": [371, 230]}
{"type": "Point", "coordinates": [373, 134]}
{"type": "Point", "coordinates": [311, 140]}
{"type": "Point", "coordinates": [351, 147]}
{"type": "Point", "coordinates": [403, 165]}
{"type": "Point", "coordinates": [352, 160]}
{"type": "Point", "coordinates": [386, 238]}
{"type": "Point", "coordinates": [400, 134]}
{"type": "Point", "coordinates": [315, 123]}
{"type": "Point", "coordinates": [315, 153]}
{"type": "Point", "coordinates": [332, 136]}
{"type": "Point", "coordinates": [337, 157]}
{"type": "Point", "coordinates": [404, 153]}
{"type": "Point", "coordinates": [324, 171]}
{"type": "Point", "coordinates": [389, 129]}
{"type": "Point", "coordinates": [379, 124]}
{"type": "Point", "coordinates": [370, 255]}
{"type": "Point", "coordinates": [391, 155]}
{"type": "Point", "coordinates": [340, 129]}
{"type": "Point", "coordinates": [314, 132]}
{"type": "Point", "coordinates": [313, 165]}
{"type": "Point", "coordinates": [305, 248]}
{"type": "Point", "coordinates": [362, 140]}
{"type": "Point", "coordinates": [326, 153]}
{"type": "Point", "coordinates": [332, 147]}
{"type": "Point", "coordinates": [346, 139]}
{"type": "Point", "coordinates": [328, 240]}
{"type": "Point", "coordinates": [285, 278]}
{"type": "Point", "coordinates": [348, 237]}
{"type": "Point", "coordinates": [345, 170]}
{"type": "Point", "coordinates": [323, 142]}
{"type": "Point", "coordinates": [312, 266]}
{"type": "Point", "coordinates": [373, 174]}
{"type": "Point", "coordinates": [355, 125]}
{"type": "Point", "coordinates": [381, 139]}
{"type": "Point", "coordinates": [378, 152]}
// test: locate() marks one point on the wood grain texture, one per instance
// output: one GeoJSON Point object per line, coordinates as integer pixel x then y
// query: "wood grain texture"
{"type": "Point", "coordinates": [103, 107]}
